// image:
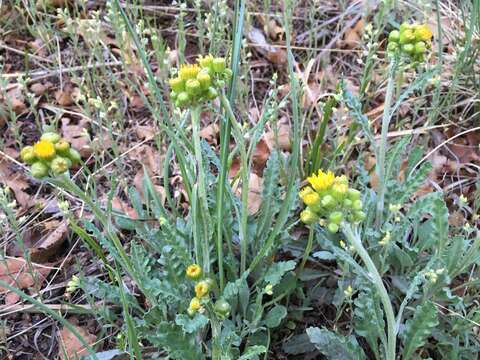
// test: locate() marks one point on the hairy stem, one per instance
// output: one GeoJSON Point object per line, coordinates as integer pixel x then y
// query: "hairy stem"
{"type": "Point", "coordinates": [355, 240]}
{"type": "Point", "coordinates": [380, 168]}
{"type": "Point", "coordinates": [202, 192]}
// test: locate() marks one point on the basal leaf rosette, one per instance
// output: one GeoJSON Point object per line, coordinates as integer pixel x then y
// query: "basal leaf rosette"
{"type": "Point", "coordinates": [51, 154]}
{"type": "Point", "coordinates": [411, 41]}
{"type": "Point", "coordinates": [199, 82]}
{"type": "Point", "coordinates": [330, 201]}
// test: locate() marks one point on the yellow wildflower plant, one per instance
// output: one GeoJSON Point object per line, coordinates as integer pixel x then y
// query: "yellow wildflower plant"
{"type": "Point", "coordinates": [194, 271]}
{"type": "Point", "coordinates": [199, 82]}
{"type": "Point", "coordinates": [50, 154]}
{"type": "Point", "coordinates": [330, 201]}
{"type": "Point", "coordinates": [411, 41]}
{"type": "Point", "coordinates": [201, 289]}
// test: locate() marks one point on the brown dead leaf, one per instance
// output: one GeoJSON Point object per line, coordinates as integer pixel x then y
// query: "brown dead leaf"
{"type": "Point", "coordinates": [121, 206]}
{"type": "Point", "coordinates": [38, 47]}
{"type": "Point", "coordinates": [44, 242]}
{"type": "Point", "coordinates": [279, 139]}
{"type": "Point", "coordinates": [75, 134]}
{"type": "Point", "coordinates": [70, 346]}
{"type": "Point", "coordinates": [14, 100]}
{"type": "Point", "coordinates": [210, 133]}
{"type": "Point", "coordinates": [64, 96]}
{"type": "Point", "coordinates": [150, 157]}
{"type": "Point", "coordinates": [255, 188]}
{"type": "Point", "coordinates": [17, 182]}
{"type": "Point", "coordinates": [38, 89]}
{"type": "Point", "coordinates": [145, 131]}
{"type": "Point", "coordinates": [16, 272]}
{"type": "Point", "coordinates": [275, 55]}
{"type": "Point", "coordinates": [353, 36]}
{"type": "Point", "coordinates": [260, 156]}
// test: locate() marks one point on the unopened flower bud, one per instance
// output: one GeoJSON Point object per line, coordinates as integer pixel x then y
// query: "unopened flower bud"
{"type": "Point", "coordinates": [408, 49]}
{"type": "Point", "coordinates": [177, 84]}
{"type": "Point", "coordinates": [52, 137]}
{"type": "Point", "coordinates": [60, 165]}
{"type": "Point", "coordinates": [335, 217]}
{"type": "Point", "coordinates": [39, 170]}
{"type": "Point", "coordinates": [308, 216]}
{"type": "Point", "coordinates": [74, 156]}
{"type": "Point", "coordinates": [328, 201]}
{"type": "Point", "coordinates": [193, 87]}
{"type": "Point", "coordinates": [204, 79]}
{"type": "Point", "coordinates": [406, 37]}
{"type": "Point", "coordinates": [212, 93]}
{"type": "Point", "coordinates": [218, 65]}
{"type": "Point", "coordinates": [28, 155]}
{"type": "Point", "coordinates": [420, 48]}
{"type": "Point", "coordinates": [394, 36]}
{"type": "Point", "coordinates": [182, 99]}
{"type": "Point", "coordinates": [357, 205]}
{"type": "Point", "coordinates": [62, 147]}
{"type": "Point", "coordinates": [333, 228]}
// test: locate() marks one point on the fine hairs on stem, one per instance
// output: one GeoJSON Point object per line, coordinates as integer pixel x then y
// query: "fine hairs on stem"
{"type": "Point", "coordinates": [354, 238]}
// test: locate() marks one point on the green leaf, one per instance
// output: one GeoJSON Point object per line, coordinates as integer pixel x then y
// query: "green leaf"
{"type": "Point", "coordinates": [277, 270]}
{"type": "Point", "coordinates": [232, 288]}
{"type": "Point", "coordinates": [252, 352]}
{"type": "Point", "coordinates": [335, 347]}
{"type": "Point", "coordinates": [419, 328]}
{"type": "Point", "coordinates": [368, 316]}
{"type": "Point", "coordinates": [191, 325]}
{"type": "Point", "coordinates": [275, 316]}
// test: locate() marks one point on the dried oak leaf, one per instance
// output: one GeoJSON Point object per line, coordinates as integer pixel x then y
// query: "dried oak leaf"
{"type": "Point", "coordinates": [43, 243]}
{"type": "Point", "coordinates": [275, 55]}
{"type": "Point", "coordinates": [17, 182]}
{"type": "Point", "coordinates": [76, 136]}
{"type": "Point", "coordinates": [17, 273]}
{"type": "Point", "coordinates": [70, 346]}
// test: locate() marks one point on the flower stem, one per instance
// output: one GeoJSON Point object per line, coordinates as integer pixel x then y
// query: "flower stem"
{"type": "Point", "coordinates": [202, 192]}
{"type": "Point", "coordinates": [355, 240]}
{"type": "Point", "coordinates": [380, 168]}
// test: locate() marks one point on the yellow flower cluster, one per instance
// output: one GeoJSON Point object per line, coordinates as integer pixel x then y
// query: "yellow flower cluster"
{"type": "Point", "coordinates": [199, 82]}
{"type": "Point", "coordinates": [50, 153]}
{"type": "Point", "coordinates": [202, 288]}
{"type": "Point", "coordinates": [411, 40]}
{"type": "Point", "coordinates": [330, 201]}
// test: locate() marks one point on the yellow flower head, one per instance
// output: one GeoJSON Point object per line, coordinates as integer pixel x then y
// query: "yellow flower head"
{"type": "Point", "coordinates": [44, 150]}
{"type": "Point", "coordinates": [340, 188]}
{"type": "Point", "coordinates": [195, 304]}
{"type": "Point", "coordinates": [188, 71]}
{"type": "Point", "coordinates": [322, 181]}
{"type": "Point", "coordinates": [423, 33]}
{"type": "Point", "coordinates": [305, 191]}
{"type": "Point", "coordinates": [201, 289]}
{"type": "Point", "coordinates": [311, 199]}
{"type": "Point", "coordinates": [205, 61]}
{"type": "Point", "coordinates": [194, 271]}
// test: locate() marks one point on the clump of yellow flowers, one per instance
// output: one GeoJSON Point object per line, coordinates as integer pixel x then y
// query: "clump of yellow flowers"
{"type": "Point", "coordinates": [411, 41]}
{"type": "Point", "coordinates": [330, 201]}
{"type": "Point", "coordinates": [199, 82]}
{"type": "Point", "coordinates": [50, 154]}
{"type": "Point", "coordinates": [202, 289]}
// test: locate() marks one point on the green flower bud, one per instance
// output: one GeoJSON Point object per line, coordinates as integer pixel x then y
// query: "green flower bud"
{"type": "Point", "coordinates": [353, 194]}
{"type": "Point", "coordinates": [392, 47]}
{"type": "Point", "coordinates": [74, 156]}
{"type": "Point", "coordinates": [405, 26]}
{"type": "Point", "coordinates": [333, 228]}
{"type": "Point", "coordinates": [183, 99]}
{"type": "Point", "coordinates": [222, 308]}
{"type": "Point", "coordinates": [212, 93]}
{"type": "Point", "coordinates": [359, 216]}
{"type": "Point", "coordinates": [177, 84]}
{"type": "Point", "coordinates": [407, 37]}
{"type": "Point", "coordinates": [39, 170]}
{"type": "Point", "coordinates": [228, 73]}
{"type": "Point", "coordinates": [328, 201]}
{"type": "Point", "coordinates": [62, 147]}
{"type": "Point", "coordinates": [408, 49]}
{"type": "Point", "coordinates": [357, 205]}
{"type": "Point", "coordinates": [308, 216]}
{"type": "Point", "coordinates": [173, 95]}
{"type": "Point", "coordinates": [204, 79]}
{"type": "Point", "coordinates": [193, 87]}
{"type": "Point", "coordinates": [347, 203]}
{"type": "Point", "coordinates": [218, 65]}
{"type": "Point", "coordinates": [28, 155]}
{"type": "Point", "coordinates": [206, 62]}
{"type": "Point", "coordinates": [335, 217]}
{"type": "Point", "coordinates": [59, 165]}
{"type": "Point", "coordinates": [394, 36]}
{"type": "Point", "coordinates": [50, 136]}
{"type": "Point", "coordinates": [420, 48]}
